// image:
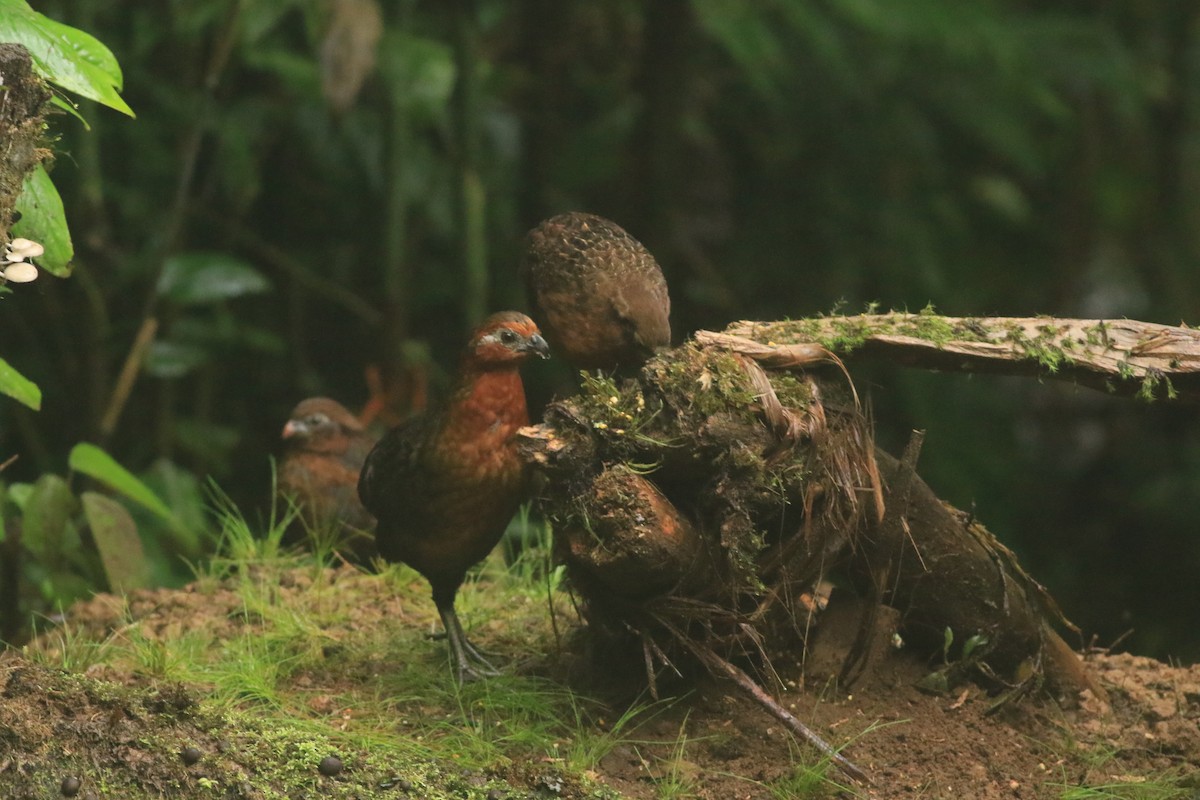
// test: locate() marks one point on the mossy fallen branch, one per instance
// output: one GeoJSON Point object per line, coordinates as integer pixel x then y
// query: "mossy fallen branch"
{"type": "Point", "coordinates": [1123, 356]}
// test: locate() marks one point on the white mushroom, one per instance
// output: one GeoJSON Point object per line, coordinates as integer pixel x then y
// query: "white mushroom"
{"type": "Point", "coordinates": [20, 249]}
{"type": "Point", "coordinates": [20, 272]}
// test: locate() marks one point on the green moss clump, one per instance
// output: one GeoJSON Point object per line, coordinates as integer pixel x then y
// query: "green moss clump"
{"type": "Point", "coordinates": [1151, 383]}
{"type": "Point", "coordinates": [792, 390]}
{"type": "Point", "coordinates": [1046, 348]}
{"type": "Point", "coordinates": [845, 334]}
{"type": "Point", "coordinates": [700, 382]}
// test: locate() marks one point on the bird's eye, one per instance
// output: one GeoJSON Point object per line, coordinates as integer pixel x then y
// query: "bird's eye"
{"type": "Point", "coordinates": [507, 336]}
{"type": "Point", "coordinates": [316, 420]}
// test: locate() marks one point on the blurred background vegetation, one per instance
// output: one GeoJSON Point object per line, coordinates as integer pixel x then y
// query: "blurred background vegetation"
{"type": "Point", "coordinates": [315, 187]}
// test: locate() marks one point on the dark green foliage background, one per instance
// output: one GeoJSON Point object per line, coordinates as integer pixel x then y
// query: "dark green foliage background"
{"type": "Point", "coordinates": [780, 158]}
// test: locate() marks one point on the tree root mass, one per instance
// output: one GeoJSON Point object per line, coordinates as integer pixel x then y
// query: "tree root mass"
{"type": "Point", "coordinates": [700, 506]}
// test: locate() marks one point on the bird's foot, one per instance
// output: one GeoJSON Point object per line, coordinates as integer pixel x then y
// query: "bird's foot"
{"type": "Point", "coordinates": [473, 652]}
{"type": "Point", "coordinates": [470, 663]}
{"type": "Point", "coordinates": [477, 654]}
{"type": "Point", "coordinates": [475, 670]}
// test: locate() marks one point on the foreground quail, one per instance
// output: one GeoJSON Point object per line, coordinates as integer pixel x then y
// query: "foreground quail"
{"type": "Point", "coordinates": [444, 484]}
{"type": "Point", "coordinates": [597, 291]}
{"type": "Point", "coordinates": [324, 447]}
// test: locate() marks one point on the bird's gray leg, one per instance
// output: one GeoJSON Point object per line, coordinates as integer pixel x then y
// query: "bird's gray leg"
{"type": "Point", "coordinates": [469, 663]}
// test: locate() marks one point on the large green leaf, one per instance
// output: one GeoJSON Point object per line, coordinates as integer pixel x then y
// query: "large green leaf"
{"type": "Point", "coordinates": [61, 102]}
{"type": "Point", "coordinates": [749, 37]}
{"type": "Point", "coordinates": [19, 494]}
{"type": "Point", "coordinates": [168, 359]}
{"type": "Point", "coordinates": [44, 521]}
{"type": "Point", "coordinates": [94, 462]}
{"type": "Point", "coordinates": [18, 387]}
{"type": "Point", "coordinates": [183, 492]}
{"type": "Point", "coordinates": [420, 72]}
{"type": "Point", "coordinates": [63, 55]}
{"type": "Point", "coordinates": [44, 221]}
{"type": "Point", "coordinates": [116, 537]}
{"type": "Point", "coordinates": [200, 278]}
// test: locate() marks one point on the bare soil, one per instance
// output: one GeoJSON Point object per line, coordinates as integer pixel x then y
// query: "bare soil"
{"type": "Point", "coordinates": [55, 724]}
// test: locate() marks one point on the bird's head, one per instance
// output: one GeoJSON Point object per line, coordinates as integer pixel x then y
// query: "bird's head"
{"type": "Point", "coordinates": [316, 419]}
{"type": "Point", "coordinates": [505, 339]}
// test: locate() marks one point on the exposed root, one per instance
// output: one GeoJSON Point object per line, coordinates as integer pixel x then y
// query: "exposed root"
{"type": "Point", "coordinates": [721, 666]}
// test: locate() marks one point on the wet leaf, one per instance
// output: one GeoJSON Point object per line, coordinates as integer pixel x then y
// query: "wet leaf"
{"type": "Point", "coordinates": [116, 537]}
{"type": "Point", "coordinates": [183, 492]}
{"type": "Point", "coordinates": [18, 387]}
{"type": "Point", "coordinates": [201, 278]}
{"type": "Point", "coordinates": [46, 511]}
{"type": "Point", "coordinates": [19, 494]}
{"type": "Point", "coordinates": [65, 56]}
{"type": "Point", "coordinates": [94, 462]}
{"type": "Point", "coordinates": [419, 72]}
{"type": "Point", "coordinates": [169, 359]}
{"type": "Point", "coordinates": [934, 683]}
{"type": "Point", "coordinates": [44, 221]}
{"type": "Point", "coordinates": [976, 641]}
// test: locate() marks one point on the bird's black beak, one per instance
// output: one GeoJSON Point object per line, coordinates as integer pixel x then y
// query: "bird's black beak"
{"type": "Point", "coordinates": [538, 345]}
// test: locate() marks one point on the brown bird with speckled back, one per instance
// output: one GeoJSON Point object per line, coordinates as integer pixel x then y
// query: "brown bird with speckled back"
{"type": "Point", "coordinates": [444, 484]}
{"type": "Point", "coordinates": [324, 447]}
{"type": "Point", "coordinates": [598, 293]}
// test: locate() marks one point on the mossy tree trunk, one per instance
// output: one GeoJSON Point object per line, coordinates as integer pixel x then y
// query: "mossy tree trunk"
{"type": "Point", "coordinates": [22, 98]}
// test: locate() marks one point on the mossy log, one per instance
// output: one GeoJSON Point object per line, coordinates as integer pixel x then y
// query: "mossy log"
{"type": "Point", "coordinates": [699, 504]}
{"type": "Point", "coordinates": [1122, 356]}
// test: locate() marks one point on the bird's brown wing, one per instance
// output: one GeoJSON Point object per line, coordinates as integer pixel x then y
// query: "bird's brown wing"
{"type": "Point", "coordinates": [643, 309]}
{"type": "Point", "coordinates": [394, 482]}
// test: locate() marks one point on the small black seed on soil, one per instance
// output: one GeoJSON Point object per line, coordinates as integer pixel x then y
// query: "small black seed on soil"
{"type": "Point", "coordinates": [390, 783]}
{"type": "Point", "coordinates": [190, 755]}
{"type": "Point", "coordinates": [330, 766]}
{"type": "Point", "coordinates": [70, 786]}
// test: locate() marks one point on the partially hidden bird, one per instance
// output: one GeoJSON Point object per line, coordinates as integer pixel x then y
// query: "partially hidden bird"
{"type": "Point", "coordinates": [597, 292]}
{"type": "Point", "coordinates": [444, 484]}
{"type": "Point", "coordinates": [324, 447]}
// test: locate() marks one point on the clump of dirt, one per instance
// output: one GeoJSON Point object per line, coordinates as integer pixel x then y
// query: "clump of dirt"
{"type": "Point", "coordinates": [65, 730]}
{"type": "Point", "coordinates": [1155, 709]}
{"type": "Point", "coordinates": [123, 734]}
